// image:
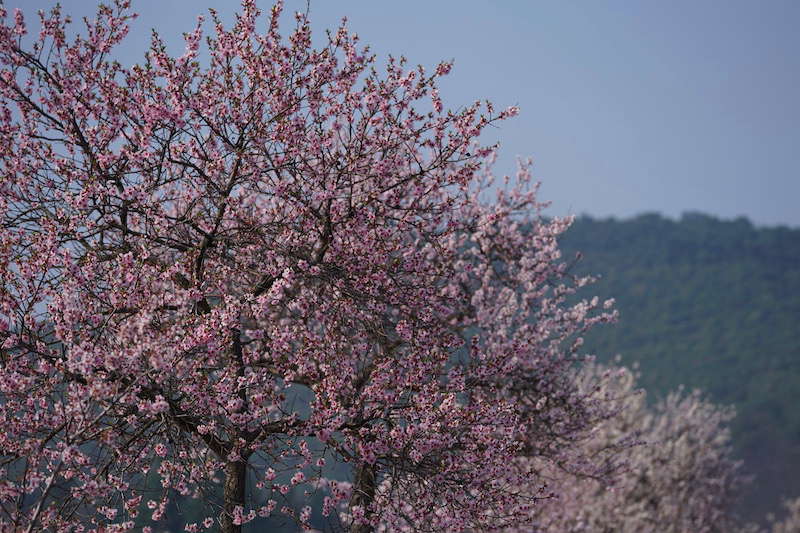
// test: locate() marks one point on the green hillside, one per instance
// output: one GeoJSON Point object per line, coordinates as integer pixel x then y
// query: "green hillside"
{"type": "Point", "coordinates": [714, 305]}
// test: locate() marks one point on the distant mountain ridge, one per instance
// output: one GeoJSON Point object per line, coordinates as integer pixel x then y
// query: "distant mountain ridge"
{"type": "Point", "coordinates": [708, 304]}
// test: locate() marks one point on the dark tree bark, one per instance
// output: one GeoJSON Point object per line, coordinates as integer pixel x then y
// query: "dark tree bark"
{"type": "Point", "coordinates": [235, 471]}
{"type": "Point", "coordinates": [363, 494]}
{"type": "Point", "coordinates": [234, 491]}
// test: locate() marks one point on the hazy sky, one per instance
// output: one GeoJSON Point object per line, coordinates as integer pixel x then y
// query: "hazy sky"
{"type": "Point", "coordinates": [627, 107]}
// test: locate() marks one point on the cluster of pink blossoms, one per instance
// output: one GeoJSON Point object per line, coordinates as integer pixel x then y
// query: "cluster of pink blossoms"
{"type": "Point", "coordinates": [217, 279]}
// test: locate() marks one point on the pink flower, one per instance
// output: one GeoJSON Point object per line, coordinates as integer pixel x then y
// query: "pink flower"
{"type": "Point", "coordinates": [160, 450]}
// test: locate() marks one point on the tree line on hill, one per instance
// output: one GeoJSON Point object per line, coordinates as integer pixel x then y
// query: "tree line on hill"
{"type": "Point", "coordinates": [709, 304]}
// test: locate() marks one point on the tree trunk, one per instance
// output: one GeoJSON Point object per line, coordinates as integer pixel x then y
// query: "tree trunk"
{"type": "Point", "coordinates": [235, 471]}
{"type": "Point", "coordinates": [363, 494]}
{"type": "Point", "coordinates": [235, 479]}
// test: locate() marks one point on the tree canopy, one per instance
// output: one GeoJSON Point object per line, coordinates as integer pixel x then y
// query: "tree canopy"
{"type": "Point", "coordinates": [219, 279]}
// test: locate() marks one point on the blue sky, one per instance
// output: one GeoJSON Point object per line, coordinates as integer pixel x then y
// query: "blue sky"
{"type": "Point", "coordinates": [627, 107]}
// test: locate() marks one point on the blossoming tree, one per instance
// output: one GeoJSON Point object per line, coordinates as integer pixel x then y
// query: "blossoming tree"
{"type": "Point", "coordinates": [790, 523]}
{"type": "Point", "coordinates": [218, 280]}
{"type": "Point", "coordinates": [681, 477]}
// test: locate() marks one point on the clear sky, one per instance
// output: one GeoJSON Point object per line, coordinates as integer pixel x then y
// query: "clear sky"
{"type": "Point", "coordinates": [627, 107]}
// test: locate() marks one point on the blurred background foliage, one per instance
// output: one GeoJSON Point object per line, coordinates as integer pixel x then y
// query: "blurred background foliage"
{"type": "Point", "coordinates": [710, 304]}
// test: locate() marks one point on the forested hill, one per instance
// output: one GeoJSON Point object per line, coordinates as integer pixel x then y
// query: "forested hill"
{"type": "Point", "coordinates": [709, 304]}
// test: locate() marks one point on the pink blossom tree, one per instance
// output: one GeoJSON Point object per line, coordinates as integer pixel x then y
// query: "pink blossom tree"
{"type": "Point", "coordinates": [226, 278]}
{"type": "Point", "coordinates": [791, 522]}
{"type": "Point", "coordinates": [681, 477]}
